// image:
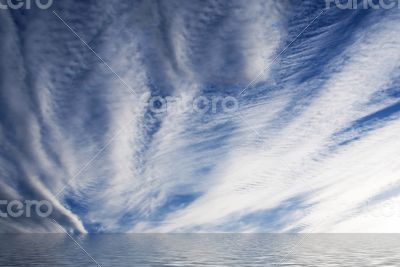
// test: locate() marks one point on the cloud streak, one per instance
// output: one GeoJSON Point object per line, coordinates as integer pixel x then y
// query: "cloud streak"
{"type": "Point", "coordinates": [312, 148]}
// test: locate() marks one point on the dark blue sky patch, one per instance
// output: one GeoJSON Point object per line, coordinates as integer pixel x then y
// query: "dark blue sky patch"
{"type": "Point", "coordinates": [270, 220]}
{"type": "Point", "coordinates": [367, 124]}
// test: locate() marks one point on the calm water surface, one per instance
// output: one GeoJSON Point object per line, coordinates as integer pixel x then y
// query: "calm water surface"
{"type": "Point", "coordinates": [201, 250]}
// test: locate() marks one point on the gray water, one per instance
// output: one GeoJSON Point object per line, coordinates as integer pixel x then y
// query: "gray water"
{"type": "Point", "coordinates": [200, 250]}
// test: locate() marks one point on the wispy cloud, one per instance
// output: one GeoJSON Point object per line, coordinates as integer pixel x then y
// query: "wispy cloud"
{"type": "Point", "coordinates": [312, 144]}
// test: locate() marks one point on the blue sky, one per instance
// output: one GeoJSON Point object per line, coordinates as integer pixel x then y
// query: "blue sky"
{"type": "Point", "coordinates": [312, 145]}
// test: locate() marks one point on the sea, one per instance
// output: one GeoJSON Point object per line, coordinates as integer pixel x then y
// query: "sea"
{"type": "Point", "coordinates": [200, 250]}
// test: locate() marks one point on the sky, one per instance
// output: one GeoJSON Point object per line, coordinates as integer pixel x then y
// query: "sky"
{"type": "Point", "coordinates": [291, 122]}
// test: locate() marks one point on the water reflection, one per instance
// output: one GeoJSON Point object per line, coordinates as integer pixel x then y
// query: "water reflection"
{"type": "Point", "coordinates": [201, 250]}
